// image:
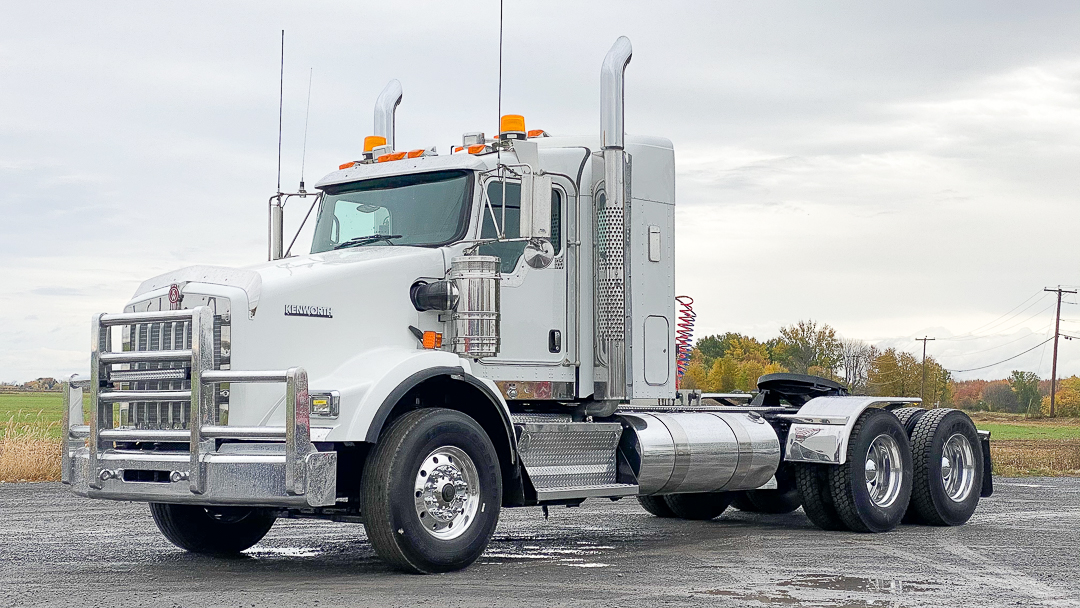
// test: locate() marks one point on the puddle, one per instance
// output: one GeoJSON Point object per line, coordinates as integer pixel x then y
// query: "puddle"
{"type": "Point", "coordinates": [577, 556]}
{"type": "Point", "coordinates": [840, 582]}
{"type": "Point", "coordinates": [282, 552]}
{"type": "Point", "coordinates": [832, 590]}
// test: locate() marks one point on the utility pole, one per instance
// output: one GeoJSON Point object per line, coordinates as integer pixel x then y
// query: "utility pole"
{"type": "Point", "coordinates": [1057, 331]}
{"type": "Point", "coordinates": [922, 392]}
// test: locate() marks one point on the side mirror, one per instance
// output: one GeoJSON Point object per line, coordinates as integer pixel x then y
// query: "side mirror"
{"type": "Point", "coordinates": [535, 221]}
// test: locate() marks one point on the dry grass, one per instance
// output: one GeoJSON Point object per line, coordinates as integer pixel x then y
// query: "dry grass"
{"type": "Point", "coordinates": [1036, 457]}
{"type": "Point", "coordinates": [30, 450]}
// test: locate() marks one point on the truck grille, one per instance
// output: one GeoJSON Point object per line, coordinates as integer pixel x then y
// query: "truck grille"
{"type": "Point", "coordinates": [170, 375]}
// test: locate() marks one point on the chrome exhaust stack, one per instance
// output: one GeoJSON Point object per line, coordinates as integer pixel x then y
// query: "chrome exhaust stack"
{"type": "Point", "coordinates": [613, 373]}
{"type": "Point", "coordinates": [385, 108]}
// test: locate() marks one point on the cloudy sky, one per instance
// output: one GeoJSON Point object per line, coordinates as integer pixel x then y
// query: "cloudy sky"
{"type": "Point", "coordinates": [892, 169]}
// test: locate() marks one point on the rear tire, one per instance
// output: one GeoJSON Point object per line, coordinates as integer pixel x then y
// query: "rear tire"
{"type": "Point", "coordinates": [431, 491]}
{"type": "Point", "coordinates": [774, 502]}
{"type": "Point", "coordinates": [908, 416]}
{"type": "Point", "coordinates": [872, 488]}
{"type": "Point", "coordinates": [700, 506]}
{"type": "Point", "coordinates": [656, 505]}
{"type": "Point", "coordinates": [742, 502]}
{"type": "Point", "coordinates": [211, 530]}
{"type": "Point", "coordinates": [948, 469]}
{"type": "Point", "coordinates": [812, 481]}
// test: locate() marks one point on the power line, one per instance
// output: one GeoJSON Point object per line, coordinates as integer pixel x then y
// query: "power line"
{"type": "Point", "coordinates": [957, 371]}
{"type": "Point", "coordinates": [985, 350]}
{"type": "Point", "coordinates": [995, 321]}
{"type": "Point", "coordinates": [1000, 330]}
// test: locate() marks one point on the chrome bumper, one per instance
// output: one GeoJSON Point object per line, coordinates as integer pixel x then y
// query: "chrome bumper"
{"type": "Point", "coordinates": [270, 466]}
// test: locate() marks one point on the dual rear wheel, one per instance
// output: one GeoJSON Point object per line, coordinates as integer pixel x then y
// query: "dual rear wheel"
{"type": "Point", "coordinates": [916, 466]}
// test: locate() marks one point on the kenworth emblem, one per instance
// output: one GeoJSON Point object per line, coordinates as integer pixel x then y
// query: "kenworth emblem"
{"type": "Point", "coordinates": [300, 310]}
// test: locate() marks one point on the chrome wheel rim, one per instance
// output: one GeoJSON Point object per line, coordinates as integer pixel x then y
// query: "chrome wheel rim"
{"type": "Point", "coordinates": [883, 470]}
{"type": "Point", "coordinates": [447, 492]}
{"type": "Point", "coordinates": [957, 467]}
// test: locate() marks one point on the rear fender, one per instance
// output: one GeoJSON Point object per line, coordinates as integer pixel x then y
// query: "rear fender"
{"type": "Point", "coordinates": [820, 430]}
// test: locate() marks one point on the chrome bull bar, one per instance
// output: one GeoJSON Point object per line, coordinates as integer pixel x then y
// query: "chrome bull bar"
{"type": "Point", "coordinates": [273, 466]}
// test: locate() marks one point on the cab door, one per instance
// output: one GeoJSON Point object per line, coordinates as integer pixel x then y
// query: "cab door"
{"type": "Point", "coordinates": [533, 321]}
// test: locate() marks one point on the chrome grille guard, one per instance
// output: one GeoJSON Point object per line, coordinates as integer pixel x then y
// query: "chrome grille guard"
{"type": "Point", "coordinates": [257, 473]}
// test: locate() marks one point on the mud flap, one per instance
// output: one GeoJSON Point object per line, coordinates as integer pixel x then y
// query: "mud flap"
{"type": "Point", "coordinates": [988, 466]}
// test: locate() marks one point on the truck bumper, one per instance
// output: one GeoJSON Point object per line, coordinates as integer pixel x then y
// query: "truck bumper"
{"type": "Point", "coordinates": [236, 474]}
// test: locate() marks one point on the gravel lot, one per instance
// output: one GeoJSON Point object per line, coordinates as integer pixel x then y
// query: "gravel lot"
{"type": "Point", "coordinates": [1020, 549]}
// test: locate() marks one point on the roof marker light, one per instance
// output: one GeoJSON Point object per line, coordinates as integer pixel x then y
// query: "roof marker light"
{"type": "Point", "coordinates": [512, 126]}
{"type": "Point", "coordinates": [538, 133]}
{"type": "Point", "coordinates": [348, 165]}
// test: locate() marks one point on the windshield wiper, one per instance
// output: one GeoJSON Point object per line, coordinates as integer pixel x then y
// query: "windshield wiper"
{"type": "Point", "coordinates": [364, 240]}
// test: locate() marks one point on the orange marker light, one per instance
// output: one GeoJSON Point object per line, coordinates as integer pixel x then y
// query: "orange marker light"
{"type": "Point", "coordinates": [371, 141]}
{"type": "Point", "coordinates": [432, 339]}
{"type": "Point", "coordinates": [346, 166]}
{"type": "Point", "coordinates": [415, 153]}
{"type": "Point", "coordinates": [478, 148]}
{"type": "Point", "coordinates": [458, 149]}
{"type": "Point", "coordinates": [538, 133]}
{"type": "Point", "coordinates": [392, 156]}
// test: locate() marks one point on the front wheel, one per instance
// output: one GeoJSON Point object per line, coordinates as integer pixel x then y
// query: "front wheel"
{"type": "Point", "coordinates": [431, 489]}
{"type": "Point", "coordinates": [212, 530]}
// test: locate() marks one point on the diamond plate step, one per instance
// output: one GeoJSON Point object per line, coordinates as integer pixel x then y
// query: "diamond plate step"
{"type": "Point", "coordinates": [567, 455]}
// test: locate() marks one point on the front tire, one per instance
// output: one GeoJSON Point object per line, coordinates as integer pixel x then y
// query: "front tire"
{"type": "Point", "coordinates": [872, 488]}
{"type": "Point", "coordinates": [948, 469]}
{"type": "Point", "coordinates": [211, 530]}
{"type": "Point", "coordinates": [431, 492]}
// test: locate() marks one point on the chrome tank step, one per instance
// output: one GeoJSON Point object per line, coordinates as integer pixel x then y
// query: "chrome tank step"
{"type": "Point", "coordinates": [567, 460]}
{"type": "Point", "coordinates": [676, 453]}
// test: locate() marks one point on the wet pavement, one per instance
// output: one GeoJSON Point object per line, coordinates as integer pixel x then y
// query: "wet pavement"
{"type": "Point", "coordinates": [1022, 548]}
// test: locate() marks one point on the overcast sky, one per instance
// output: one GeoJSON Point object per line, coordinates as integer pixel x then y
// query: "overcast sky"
{"type": "Point", "coordinates": [892, 169]}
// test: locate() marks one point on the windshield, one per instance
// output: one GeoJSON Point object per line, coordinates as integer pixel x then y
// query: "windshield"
{"type": "Point", "coordinates": [421, 209]}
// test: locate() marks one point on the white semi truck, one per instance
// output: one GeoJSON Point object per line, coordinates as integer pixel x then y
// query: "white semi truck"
{"type": "Point", "coordinates": [490, 328]}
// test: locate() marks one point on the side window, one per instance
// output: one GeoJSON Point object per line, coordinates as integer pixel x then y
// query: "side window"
{"type": "Point", "coordinates": [509, 253]}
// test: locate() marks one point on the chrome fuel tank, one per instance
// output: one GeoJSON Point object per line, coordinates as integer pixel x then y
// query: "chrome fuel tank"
{"type": "Point", "coordinates": [684, 452]}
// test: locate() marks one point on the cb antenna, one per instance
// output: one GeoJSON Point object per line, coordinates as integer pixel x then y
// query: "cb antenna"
{"type": "Point", "coordinates": [307, 112]}
{"type": "Point", "coordinates": [281, 100]}
{"type": "Point", "coordinates": [498, 148]}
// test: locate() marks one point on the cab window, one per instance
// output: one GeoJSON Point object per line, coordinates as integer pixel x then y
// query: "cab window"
{"type": "Point", "coordinates": [509, 253]}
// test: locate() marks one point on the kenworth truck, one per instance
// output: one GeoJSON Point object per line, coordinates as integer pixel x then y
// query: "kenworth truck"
{"type": "Point", "coordinates": [489, 328]}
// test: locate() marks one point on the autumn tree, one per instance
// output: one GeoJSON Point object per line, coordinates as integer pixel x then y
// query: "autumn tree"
{"type": "Point", "coordinates": [806, 344]}
{"type": "Point", "coordinates": [1026, 387]}
{"type": "Point", "coordinates": [1067, 398]}
{"type": "Point", "coordinates": [855, 357]}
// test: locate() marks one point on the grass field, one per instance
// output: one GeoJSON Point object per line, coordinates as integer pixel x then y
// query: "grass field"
{"type": "Point", "coordinates": [30, 440]}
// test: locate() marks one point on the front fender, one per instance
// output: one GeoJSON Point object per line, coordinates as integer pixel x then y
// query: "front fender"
{"type": "Point", "coordinates": [820, 430]}
{"type": "Point", "coordinates": [371, 384]}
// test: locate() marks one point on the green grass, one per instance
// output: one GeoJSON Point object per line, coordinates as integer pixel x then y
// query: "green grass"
{"type": "Point", "coordinates": [1001, 432]}
{"type": "Point", "coordinates": [36, 410]}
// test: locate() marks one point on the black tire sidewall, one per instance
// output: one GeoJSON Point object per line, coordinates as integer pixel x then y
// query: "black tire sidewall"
{"type": "Point", "coordinates": [699, 505]}
{"type": "Point", "coordinates": [423, 550]}
{"type": "Point", "coordinates": [950, 512]}
{"type": "Point", "coordinates": [872, 517]}
{"type": "Point", "coordinates": [192, 528]}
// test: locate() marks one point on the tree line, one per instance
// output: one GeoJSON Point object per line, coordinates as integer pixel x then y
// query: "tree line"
{"type": "Point", "coordinates": [732, 362]}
